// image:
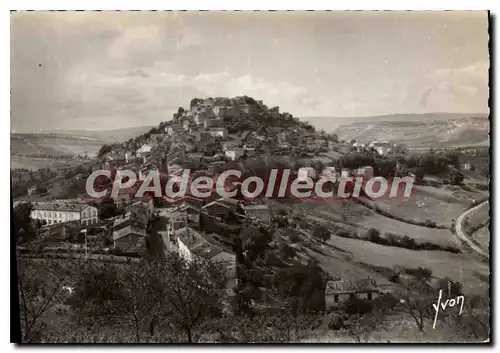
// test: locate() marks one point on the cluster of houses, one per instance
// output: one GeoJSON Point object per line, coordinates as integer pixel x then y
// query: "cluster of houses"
{"type": "Point", "coordinates": [199, 137]}
{"type": "Point", "coordinates": [130, 230]}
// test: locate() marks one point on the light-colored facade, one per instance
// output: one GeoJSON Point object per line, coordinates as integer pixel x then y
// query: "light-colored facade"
{"type": "Point", "coordinates": [60, 212]}
{"type": "Point", "coordinates": [218, 132]}
{"type": "Point", "coordinates": [235, 153]}
{"type": "Point", "coordinates": [337, 292]}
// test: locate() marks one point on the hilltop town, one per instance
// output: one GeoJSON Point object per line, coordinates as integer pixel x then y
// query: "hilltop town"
{"type": "Point", "coordinates": [275, 254]}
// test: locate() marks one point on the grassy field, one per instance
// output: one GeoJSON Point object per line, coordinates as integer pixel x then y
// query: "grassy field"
{"type": "Point", "coordinates": [50, 144]}
{"type": "Point", "coordinates": [360, 218]}
{"type": "Point", "coordinates": [478, 226]}
{"type": "Point", "coordinates": [440, 205]}
{"type": "Point", "coordinates": [482, 237]}
{"type": "Point", "coordinates": [459, 267]}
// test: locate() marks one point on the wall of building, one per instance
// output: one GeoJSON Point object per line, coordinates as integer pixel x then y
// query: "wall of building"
{"type": "Point", "coordinates": [184, 251]}
{"type": "Point", "coordinates": [127, 242]}
{"type": "Point", "coordinates": [52, 217]}
{"type": "Point", "coordinates": [332, 300]}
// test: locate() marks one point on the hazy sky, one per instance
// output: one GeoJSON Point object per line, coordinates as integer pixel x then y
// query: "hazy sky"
{"type": "Point", "coordinates": [104, 70]}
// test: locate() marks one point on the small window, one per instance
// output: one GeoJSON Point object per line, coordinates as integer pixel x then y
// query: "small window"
{"type": "Point", "coordinates": [369, 295]}
{"type": "Point", "coordinates": [336, 298]}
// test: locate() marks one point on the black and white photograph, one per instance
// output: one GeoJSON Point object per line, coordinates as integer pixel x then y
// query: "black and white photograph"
{"type": "Point", "coordinates": [242, 177]}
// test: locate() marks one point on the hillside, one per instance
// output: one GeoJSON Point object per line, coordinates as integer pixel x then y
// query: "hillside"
{"type": "Point", "coordinates": [52, 145]}
{"type": "Point", "coordinates": [114, 135]}
{"type": "Point", "coordinates": [69, 142]}
{"type": "Point", "coordinates": [426, 132]}
{"type": "Point", "coordinates": [330, 124]}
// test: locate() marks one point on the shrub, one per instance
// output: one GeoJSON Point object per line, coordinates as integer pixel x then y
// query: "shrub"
{"type": "Point", "coordinates": [394, 278]}
{"type": "Point", "coordinates": [344, 233]}
{"type": "Point", "coordinates": [419, 272]}
{"type": "Point", "coordinates": [336, 322]}
{"type": "Point", "coordinates": [430, 224]}
{"type": "Point", "coordinates": [357, 306]}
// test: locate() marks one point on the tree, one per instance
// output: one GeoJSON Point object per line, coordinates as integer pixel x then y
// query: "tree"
{"type": "Point", "coordinates": [23, 223]}
{"type": "Point", "coordinates": [322, 233]}
{"type": "Point", "coordinates": [107, 208]}
{"type": "Point", "coordinates": [301, 286]}
{"type": "Point", "coordinates": [333, 137]}
{"type": "Point", "coordinates": [108, 294]}
{"type": "Point", "coordinates": [41, 189]}
{"type": "Point", "coordinates": [456, 178]}
{"type": "Point", "coordinates": [194, 102]}
{"type": "Point", "coordinates": [254, 242]}
{"type": "Point", "coordinates": [103, 150]}
{"type": "Point", "coordinates": [192, 291]}
{"type": "Point", "coordinates": [362, 328]}
{"type": "Point", "coordinates": [151, 292]}
{"type": "Point", "coordinates": [41, 287]}
{"type": "Point", "coordinates": [421, 274]}
{"type": "Point", "coordinates": [80, 170]}
{"type": "Point", "coordinates": [19, 190]}
{"type": "Point", "coordinates": [474, 322]}
{"type": "Point", "coordinates": [416, 298]}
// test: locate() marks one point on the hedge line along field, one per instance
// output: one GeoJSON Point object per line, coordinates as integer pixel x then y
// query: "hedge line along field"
{"type": "Point", "coordinates": [359, 219]}
{"type": "Point", "coordinates": [465, 268]}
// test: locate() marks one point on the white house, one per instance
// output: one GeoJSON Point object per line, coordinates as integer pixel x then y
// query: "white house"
{"type": "Point", "coordinates": [61, 211]}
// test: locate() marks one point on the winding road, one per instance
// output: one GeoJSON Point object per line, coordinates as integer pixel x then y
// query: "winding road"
{"type": "Point", "coordinates": [461, 234]}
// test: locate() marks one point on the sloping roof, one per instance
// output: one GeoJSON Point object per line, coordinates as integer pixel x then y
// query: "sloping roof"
{"type": "Point", "coordinates": [190, 237]}
{"type": "Point", "coordinates": [60, 206]}
{"type": "Point", "coordinates": [255, 207]}
{"type": "Point", "coordinates": [130, 229]}
{"type": "Point", "coordinates": [346, 286]}
{"type": "Point", "coordinates": [219, 203]}
{"type": "Point", "coordinates": [200, 246]}
{"type": "Point", "coordinates": [206, 250]}
{"type": "Point", "coordinates": [186, 207]}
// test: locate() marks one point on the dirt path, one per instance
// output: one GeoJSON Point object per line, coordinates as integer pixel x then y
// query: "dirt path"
{"type": "Point", "coordinates": [461, 234]}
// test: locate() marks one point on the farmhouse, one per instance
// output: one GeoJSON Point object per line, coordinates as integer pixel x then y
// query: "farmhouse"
{"type": "Point", "coordinates": [337, 292]}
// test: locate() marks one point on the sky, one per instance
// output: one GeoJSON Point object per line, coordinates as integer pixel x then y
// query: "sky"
{"type": "Point", "coordinates": [109, 70]}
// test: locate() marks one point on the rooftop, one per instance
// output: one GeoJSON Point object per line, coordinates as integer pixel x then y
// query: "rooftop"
{"type": "Point", "coordinates": [129, 229]}
{"type": "Point", "coordinates": [346, 286]}
{"type": "Point", "coordinates": [60, 206]}
{"type": "Point", "coordinates": [255, 207]}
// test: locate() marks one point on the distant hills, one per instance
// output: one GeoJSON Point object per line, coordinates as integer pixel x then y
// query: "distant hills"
{"type": "Point", "coordinates": [421, 130]}
{"type": "Point", "coordinates": [69, 142]}
{"type": "Point", "coordinates": [111, 136]}
{"type": "Point", "coordinates": [434, 129]}
{"type": "Point", "coordinates": [331, 124]}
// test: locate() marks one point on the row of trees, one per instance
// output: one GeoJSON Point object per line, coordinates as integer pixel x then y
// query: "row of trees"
{"type": "Point", "coordinates": [147, 295]}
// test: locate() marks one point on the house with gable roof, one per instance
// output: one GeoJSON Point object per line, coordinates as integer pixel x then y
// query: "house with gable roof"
{"type": "Point", "coordinates": [337, 292]}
